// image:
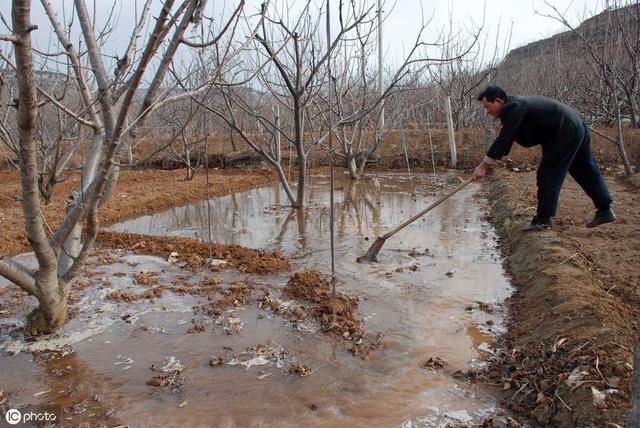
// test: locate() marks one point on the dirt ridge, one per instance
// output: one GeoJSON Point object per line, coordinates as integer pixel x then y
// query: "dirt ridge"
{"type": "Point", "coordinates": [568, 334]}
{"type": "Point", "coordinates": [195, 253]}
{"type": "Point", "coordinates": [137, 193]}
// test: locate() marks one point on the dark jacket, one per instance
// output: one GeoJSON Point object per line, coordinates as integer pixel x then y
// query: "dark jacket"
{"type": "Point", "coordinates": [536, 120]}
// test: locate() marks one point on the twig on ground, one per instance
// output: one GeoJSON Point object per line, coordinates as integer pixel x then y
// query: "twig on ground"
{"type": "Point", "coordinates": [568, 259]}
{"type": "Point", "coordinates": [579, 347]}
{"type": "Point", "coordinates": [562, 401]}
{"type": "Point", "coordinates": [599, 372]}
{"type": "Point", "coordinates": [620, 346]}
{"type": "Point", "coordinates": [518, 391]}
{"type": "Point", "coordinates": [526, 210]}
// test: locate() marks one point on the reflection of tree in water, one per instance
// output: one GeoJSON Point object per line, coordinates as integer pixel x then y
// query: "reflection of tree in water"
{"type": "Point", "coordinates": [254, 218]}
{"type": "Point", "coordinates": [357, 202]}
{"type": "Point", "coordinates": [301, 223]}
{"type": "Point", "coordinates": [297, 214]}
{"type": "Point", "coordinates": [226, 216]}
{"type": "Point", "coordinates": [359, 207]}
{"type": "Point", "coordinates": [83, 394]}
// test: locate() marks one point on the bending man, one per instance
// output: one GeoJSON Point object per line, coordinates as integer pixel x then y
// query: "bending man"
{"type": "Point", "coordinates": [566, 147]}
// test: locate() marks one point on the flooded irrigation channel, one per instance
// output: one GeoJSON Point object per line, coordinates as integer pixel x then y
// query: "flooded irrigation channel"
{"type": "Point", "coordinates": [430, 311]}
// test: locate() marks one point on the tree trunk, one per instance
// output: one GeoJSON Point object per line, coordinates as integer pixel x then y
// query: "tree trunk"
{"type": "Point", "coordinates": [276, 132]}
{"type": "Point", "coordinates": [73, 243]}
{"type": "Point", "coordinates": [187, 160]}
{"type": "Point", "coordinates": [368, 154]}
{"type": "Point", "coordinates": [619, 141]}
{"type": "Point", "coordinates": [623, 155]}
{"type": "Point", "coordinates": [234, 146]}
{"type": "Point", "coordinates": [302, 166]}
{"type": "Point", "coordinates": [52, 312]}
{"type": "Point", "coordinates": [191, 172]}
{"type": "Point", "coordinates": [352, 167]}
{"type": "Point", "coordinates": [302, 161]}
{"type": "Point", "coordinates": [284, 182]}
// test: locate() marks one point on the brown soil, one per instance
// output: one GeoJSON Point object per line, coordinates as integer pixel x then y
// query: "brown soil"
{"type": "Point", "coordinates": [208, 287]}
{"type": "Point", "coordinates": [146, 278]}
{"type": "Point", "coordinates": [310, 286]}
{"type": "Point", "coordinates": [315, 290]}
{"type": "Point", "coordinates": [299, 369]}
{"type": "Point", "coordinates": [128, 296]}
{"type": "Point", "coordinates": [197, 327]}
{"type": "Point", "coordinates": [235, 295]}
{"type": "Point", "coordinates": [573, 314]}
{"type": "Point", "coordinates": [195, 253]}
{"type": "Point", "coordinates": [137, 193]}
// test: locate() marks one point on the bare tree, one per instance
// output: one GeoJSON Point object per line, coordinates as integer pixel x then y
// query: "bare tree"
{"type": "Point", "coordinates": [60, 132]}
{"type": "Point", "coordinates": [613, 53]}
{"type": "Point", "coordinates": [293, 80]}
{"type": "Point", "coordinates": [107, 110]}
{"type": "Point", "coordinates": [182, 137]}
{"type": "Point", "coordinates": [460, 78]}
{"type": "Point", "coordinates": [357, 96]}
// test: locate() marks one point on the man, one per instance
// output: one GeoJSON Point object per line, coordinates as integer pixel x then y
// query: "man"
{"type": "Point", "coordinates": [566, 147]}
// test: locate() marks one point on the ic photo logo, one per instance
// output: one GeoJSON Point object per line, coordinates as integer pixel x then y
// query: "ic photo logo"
{"type": "Point", "coordinates": [13, 416]}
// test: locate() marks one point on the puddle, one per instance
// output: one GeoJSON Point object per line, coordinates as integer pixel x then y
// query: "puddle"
{"type": "Point", "coordinates": [436, 292]}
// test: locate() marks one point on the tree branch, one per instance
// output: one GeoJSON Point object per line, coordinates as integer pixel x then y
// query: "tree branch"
{"type": "Point", "coordinates": [18, 274]}
{"type": "Point", "coordinates": [8, 38]}
{"type": "Point", "coordinates": [217, 38]}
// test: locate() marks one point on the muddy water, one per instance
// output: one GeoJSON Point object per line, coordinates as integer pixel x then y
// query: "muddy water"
{"type": "Point", "coordinates": [422, 296]}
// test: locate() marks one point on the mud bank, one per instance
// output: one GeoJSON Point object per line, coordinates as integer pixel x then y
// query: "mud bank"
{"type": "Point", "coordinates": [137, 193]}
{"type": "Point", "coordinates": [195, 253]}
{"type": "Point", "coordinates": [572, 327]}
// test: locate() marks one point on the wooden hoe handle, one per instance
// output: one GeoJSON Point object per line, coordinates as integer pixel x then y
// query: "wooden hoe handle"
{"type": "Point", "coordinates": [429, 208]}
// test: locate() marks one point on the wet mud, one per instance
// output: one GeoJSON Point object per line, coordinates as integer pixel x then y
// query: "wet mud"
{"type": "Point", "coordinates": [195, 254]}
{"type": "Point", "coordinates": [163, 333]}
{"type": "Point", "coordinates": [311, 288]}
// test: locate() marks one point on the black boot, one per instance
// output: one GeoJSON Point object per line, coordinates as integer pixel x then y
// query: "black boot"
{"type": "Point", "coordinates": [537, 223]}
{"type": "Point", "coordinates": [602, 217]}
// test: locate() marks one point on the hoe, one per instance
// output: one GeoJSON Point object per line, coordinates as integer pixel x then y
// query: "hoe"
{"type": "Point", "coordinates": [374, 249]}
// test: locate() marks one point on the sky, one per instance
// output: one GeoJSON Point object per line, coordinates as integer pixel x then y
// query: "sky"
{"type": "Point", "coordinates": [522, 16]}
{"type": "Point", "coordinates": [516, 22]}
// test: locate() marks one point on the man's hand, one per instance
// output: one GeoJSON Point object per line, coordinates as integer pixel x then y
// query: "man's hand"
{"type": "Point", "coordinates": [481, 170]}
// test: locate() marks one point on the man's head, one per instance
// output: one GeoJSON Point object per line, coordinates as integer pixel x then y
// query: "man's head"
{"type": "Point", "coordinates": [492, 99]}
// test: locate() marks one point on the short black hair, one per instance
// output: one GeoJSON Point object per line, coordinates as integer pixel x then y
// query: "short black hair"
{"type": "Point", "coordinates": [492, 93]}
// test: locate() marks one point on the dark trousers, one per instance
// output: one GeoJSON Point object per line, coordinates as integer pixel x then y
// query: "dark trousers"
{"type": "Point", "coordinates": [576, 159]}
